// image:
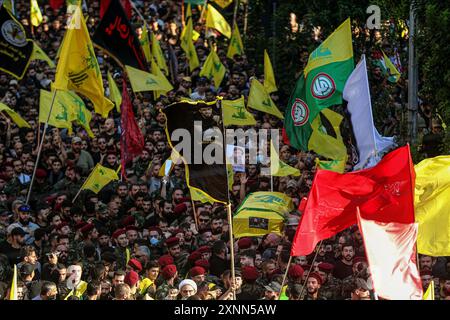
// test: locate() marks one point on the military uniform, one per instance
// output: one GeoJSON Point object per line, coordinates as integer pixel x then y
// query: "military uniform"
{"type": "Point", "coordinates": [162, 291]}
{"type": "Point", "coordinates": [331, 290]}
{"type": "Point", "coordinates": [122, 257]}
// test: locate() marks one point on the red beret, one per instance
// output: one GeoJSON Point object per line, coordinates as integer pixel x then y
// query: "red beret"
{"type": "Point", "coordinates": [155, 229]}
{"type": "Point", "coordinates": [244, 243]}
{"type": "Point", "coordinates": [128, 220]}
{"type": "Point", "coordinates": [177, 231]}
{"type": "Point", "coordinates": [316, 276]}
{"type": "Point", "coordinates": [249, 274]}
{"type": "Point", "coordinates": [169, 271]}
{"type": "Point", "coordinates": [131, 278]}
{"type": "Point", "coordinates": [41, 173]}
{"type": "Point", "coordinates": [204, 249]}
{"type": "Point", "coordinates": [128, 228]}
{"type": "Point", "coordinates": [61, 225]}
{"type": "Point", "coordinates": [180, 208]}
{"type": "Point", "coordinates": [80, 225]}
{"type": "Point", "coordinates": [275, 272]}
{"type": "Point", "coordinates": [87, 228]}
{"type": "Point", "coordinates": [135, 264]}
{"type": "Point", "coordinates": [165, 260]}
{"type": "Point", "coordinates": [194, 256]}
{"type": "Point", "coordinates": [196, 271]}
{"type": "Point", "coordinates": [359, 259]}
{"type": "Point", "coordinates": [118, 233]}
{"type": "Point", "coordinates": [295, 271]}
{"type": "Point", "coordinates": [202, 263]}
{"type": "Point", "coordinates": [172, 241]}
{"type": "Point", "coordinates": [426, 273]}
{"type": "Point", "coordinates": [325, 267]}
{"type": "Point", "coordinates": [185, 199]}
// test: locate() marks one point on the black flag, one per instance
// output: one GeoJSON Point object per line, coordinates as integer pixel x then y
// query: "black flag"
{"type": "Point", "coordinates": [117, 37]}
{"type": "Point", "coordinates": [200, 119]}
{"type": "Point", "coordinates": [15, 48]}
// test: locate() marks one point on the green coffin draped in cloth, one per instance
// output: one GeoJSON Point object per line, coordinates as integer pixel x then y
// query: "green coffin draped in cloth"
{"type": "Point", "coordinates": [261, 213]}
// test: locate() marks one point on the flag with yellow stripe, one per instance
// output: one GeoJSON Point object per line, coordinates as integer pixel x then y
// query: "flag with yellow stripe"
{"type": "Point", "coordinates": [188, 46]}
{"type": "Point", "coordinates": [114, 92]}
{"type": "Point", "coordinates": [145, 43]}
{"type": "Point", "coordinates": [99, 178]}
{"type": "Point", "coordinates": [35, 13]}
{"type": "Point", "coordinates": [21, 123]}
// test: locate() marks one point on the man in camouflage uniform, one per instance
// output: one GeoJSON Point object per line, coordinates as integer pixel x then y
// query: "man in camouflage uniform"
{"type": "Point", "coordinates": [331, 287]}
{"type": "Point", "coordinates": [170, 274]}
{"type": "Point", "coordinates": [360, 266]}
{"type": "Point", "coordinates": [122, 252]}
{"type": "Point", "coordinates": [180, 258]}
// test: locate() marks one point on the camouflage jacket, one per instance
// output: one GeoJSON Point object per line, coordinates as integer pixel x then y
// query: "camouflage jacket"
{"type": "Point", "coordinates": [331, 290]}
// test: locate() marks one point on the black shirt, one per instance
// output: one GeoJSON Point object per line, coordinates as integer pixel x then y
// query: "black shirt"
{"type": "Point", "coordinates": [13, 254]}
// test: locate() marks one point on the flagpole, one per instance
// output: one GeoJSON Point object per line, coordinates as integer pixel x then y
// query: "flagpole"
{"type": "Point", "coordinates": [236, 6]}
{"type": "Point", "coordinates": [87, 179]}
{"type": "Point", "coordinates": [310, 268]}
{"type": "Point", "coordinates": [40, 145]}
{"type": "Point", "coordinates": [182, 14]}
{"type": "Point", "coordinates": [195, 213]}
{"type": "Point", "coordinates": [271, 182]}
{"type": "Point", "coordinates": [284, 277]}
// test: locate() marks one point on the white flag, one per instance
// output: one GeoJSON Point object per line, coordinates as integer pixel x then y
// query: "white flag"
{"type": "Point", "coordinates": [371, 144]}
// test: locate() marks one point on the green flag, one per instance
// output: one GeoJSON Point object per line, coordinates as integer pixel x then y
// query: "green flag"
{"type": "Point", "coordinates": [234, 113]}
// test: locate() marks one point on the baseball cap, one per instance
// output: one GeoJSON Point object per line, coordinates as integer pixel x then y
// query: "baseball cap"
{"type": "Point", "coordinates": [76, 140]}
{"type": "Point", "coordinates": [26, 269]}
{"type": "Point", "coordinates": [18, 231]}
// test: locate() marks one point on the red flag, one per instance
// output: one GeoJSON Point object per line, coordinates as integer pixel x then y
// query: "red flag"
{"type": "Point", "coordinates": [391, 253]}
{"type": "Point", "coordinates": [104, 4]}
{"type": "Point", "coordinates": [383, 193]}
{"type": "Point", "coordinates": [132, 140]}
{"type": "Point", "coordinates": [56, 4]}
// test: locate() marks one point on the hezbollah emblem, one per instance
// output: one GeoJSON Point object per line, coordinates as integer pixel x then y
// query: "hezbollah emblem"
{"type": "Point", "coordinates": [299, 112]}
{"type": "Point", "coordinates": [322, 86]}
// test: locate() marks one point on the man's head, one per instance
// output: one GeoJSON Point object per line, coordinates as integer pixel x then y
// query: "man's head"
{"type": "Point", "coordinates": [76, 145]}
{"type": "Point", "coordinates": [48, 290]}
{"type": "Point", "coordinates": [152, 270]}
{"type": "Point", "coordinates": [360, 290]}
{"type": "Point", "coordinates": [347, 252]}
{"type": "Point", "coordinates": [272, 291]}
{"type": "Point", "coordinates": [121, 238]}
{"type": "Point", "coordinates": [426, 262]}
{"type": "Point", "coordinates": [173, 246]}
{"type": "Point", "coordinates": [197, 274]}
{"type": "Point", "coordinates": [247, 258]}
{"type": "Point", "coordinates": [24, 214]}
{"type": "Point", "coordinates": [74, 273]}
{"type": "Point", "coordinates": [187, 288]}
{"type": "Point", "coordinates": [18, 235]}
{"type": "Point", "coordinates": [28, 254]}
{"type": "Point", "coordinates": [118, 278]}
{"type": "Point", "coordinates": [122, 291]}
{"type": "Point", "coordinates": [313, 283]}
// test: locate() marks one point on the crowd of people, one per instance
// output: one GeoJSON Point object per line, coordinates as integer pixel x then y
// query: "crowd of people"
{"type": "Point", "coordinates": [143, 238]}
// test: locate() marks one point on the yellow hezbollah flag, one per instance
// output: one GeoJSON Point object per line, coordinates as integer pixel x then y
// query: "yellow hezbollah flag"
{"type": "Point", "coordinates": [394, 75]}
{"type": "Point", "coordinates": [429, 294]}
{"type": "Point", "coordinates": [158, 55]}
{"type": "Point", "coordinates": [157, 71]}
{"type": "Point", "coordinates": [78, 67]}
{"type": "Point", "coordinates": [259, 99]}
{"type": "Point", "coordinates": [99, 177]}
{"type": "Point", "coordinates": [79, 112]}
{"type": "Point", "coordinates": [223, 3]}
{"type": "Point", "coordinates": [278, 168]}
{"type": "Point", "coordinates": [145, 43]}
{"type": "Point", "coordinates": [332, 165]}
{"type": "Point", "coordinates": [61, 116]}
{"type": "Point", "coordinates": [13, 291]}
{"type": "Point", "coordinates": [324, 144]}
{"type": "Point", "coordinates": [236, 46]}
{"type": "Point", "coordinates": [35, 13]}
{"type": "Point", "coordinates": [234, 113]}
{"type": "Point", "coordinates": [269, 77]}
{"type": "Point", "coordinates": [214, 68]}
{"type": "Point", "coordinates": [144, 81]}
{"type": "Point", "coordinates": [336, 48]}
{"type": "Point", "coordinates": [21, 123]}
{"type": "Point", "coordinates": [216, 21]}
{"type": "Point", "coordinates": [39, 54]}
{"type": "Point", "coordinates": [431, 206]}
{"type": "Point", "coordinates": [114, 92]}
{"type": "Point", "coordinates": [188, 46]}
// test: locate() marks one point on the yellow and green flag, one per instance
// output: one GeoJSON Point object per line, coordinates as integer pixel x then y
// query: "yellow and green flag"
{"type": "Point", "coordinates": [223, 3]}
{"type": "Point", "coordinates": [78, 67]}
{"type": "Point", "coordinates": [278, 168]}
{"type": "Point", "coordinates": [39, 54]}
{"type": "Point", "coordinates": [80, 114]}
{"type": "Point", "coordinates": [157, 71]}
{"type": "Point", "coordinates": [387, 67]}
{"type": "Point", "coordinates": [21, 123]}
{"type": "Point", "coordinates": [269, 77]}
{"type": "Point", "coordinates": [213, 68]}
{"type": "Point", "coordinates": [114, 92]}
{"type": "Point", "coordinates": [61, 115]}
{"type": "Point", "coordinates": [188, 46]}
{"type": "Point", "coordinates": [235, 113]}
{"type": "Point", "coordinates": [144, 81]}
{"type": "Point", "coordinates": [320, 86]}
{"type": "Point", "coordinates": [332, 165]}
{"type": "Point", "coordinates": [431, 206]}
{"type": "Point", "coordinates": [216, 21]}
{"type": "Point", "coordinates": [158, 55]}
{"type": "Point", "coordinates": [145, 43]}
{"type": "Point", "coordinates": [13, 290]}
{"type": "Point", "coordinates": [429, 294]}
{"type": "Point", "coordinates": [259, 99]}
{"type": "Point", "coordinates": [236, 46]}
{"type": "Point", "coordinates": [99, 177]}
{"type": "Point", "coordinates": [35, 13]}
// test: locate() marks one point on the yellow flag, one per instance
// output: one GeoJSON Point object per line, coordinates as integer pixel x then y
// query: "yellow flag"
{"type": "Point", "coordinates": [114, 92]}
{"type": "Point", "coordinates": [214, 68]}
{"type": "Point", "coordinates": [145, 43]}
{"type": "Point", "coordinates": [429, 294]}
{"type": "Point", "coordinates": [39, 54]}
{"type": "Point", "coordinates": [144, 81]}
{"type": "Point", "coordinates": [61, 116]}
{"type": "Point", "coordinates": [157, 71]}
{"type": "Point", "coordinates": [79, 112]}
{"type": "Point", "coordinates": [13, 291]}
{"type": "Point", "coordinates": [394, 75]}
{"type": "Point", "coordinates": [216, 21]}
{"type": "Point", "coordinates": [188, 46]}
{"type": "Point", "coordinates": [21, 123]}
{"type": "Point", "coordinates": [78, 67]}
{"type": "Point", "coordinates": [167, 166]}
{"type": "Point", "coordinates": [278, 168]}
{"type": "Point", "coordinates": [223, 3]}
{"type": "Point", "coordinates": [158, 55]}
{"type": "Point", "coordinates": [332, 165]}
{"type": "Point", "coordinates": [236, 46]}
{"type": "Point", "coordinates": [234, 113]}
{"type": "Point", "coordinates": [269, 77]}
{"type": "Point", "coordinates": [431, 206]}
{"type": "Point", "coordinates": [324, 144]}
{"type": "Point", "coordinates": [35, 13]}
{"type": "Point", "coordinates": [259, 99]}
{"type": "Point", "coordinates": [99, 177]}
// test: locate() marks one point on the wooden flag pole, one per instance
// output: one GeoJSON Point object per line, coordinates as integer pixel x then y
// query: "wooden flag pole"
{"type": "Point", "coordinates": [284, 277]}
{"type": "Point", "coordinates": [40, 146]}
{"type": "Point", "coordinates": [230, 230]}
{"type": "Point", "coordinates": [236, 6]}
{"type": "Point", "coordinates": [310, 268]}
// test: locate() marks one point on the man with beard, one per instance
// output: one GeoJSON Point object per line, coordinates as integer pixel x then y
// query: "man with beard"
{"type": "Point", "coordinates": [101, 220]}
{"type": "Point", "coordinates": [132, 234]}
{"type": "Point", "coordinates": [71, 183]}
{"type": "Point", "coordinates": [272, 291]}
{"type": "Point", "coordinates": [344, 267]}
{"type": "Point", "coordinates": [104, 240]}
{"type": "Point", "coordinates": [122, 252]}
{"type": "Point", "coordinates": [13, 245]}
{"type": "Point", "coordinates": [331, 287]}
{"type": "Point", "coordinates": [25, 223]}
{"type": "Point", "coordinates": [154, 238]}
{"type": "Point", "coordinates": [179, 257]}
{"type": "Point", "coordinates": [204, 237]}
{"type": "Point", "coordinates": [313, 284]}
{"type": "Point", "coordinates": [218, 262]}
{"type": "Point", "coordinates": [166, 208]}
{"type": "Point", "coordinates": [359, 270]}
{"type": "Point", "coordinates": [217, 227]}
{"type": "Point", "coordinates": [83, 159]}
{"type": "Point", "coordinates": [247, 258]}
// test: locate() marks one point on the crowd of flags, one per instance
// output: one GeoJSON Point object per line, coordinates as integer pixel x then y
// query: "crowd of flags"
{"type": "Point", "coordinates": [395, 204]}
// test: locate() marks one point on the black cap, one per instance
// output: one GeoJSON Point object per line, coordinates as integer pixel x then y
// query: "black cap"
{"type": "Point", "coordinates": [18, 231]}
{"type": "Point", "coordinates": [5, 213]}
{"type": "Point", "coordinates": [26, 269]}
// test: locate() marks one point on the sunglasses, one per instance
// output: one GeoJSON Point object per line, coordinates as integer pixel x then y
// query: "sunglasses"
{"type": "Point", "coordinates": [204, 220]}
